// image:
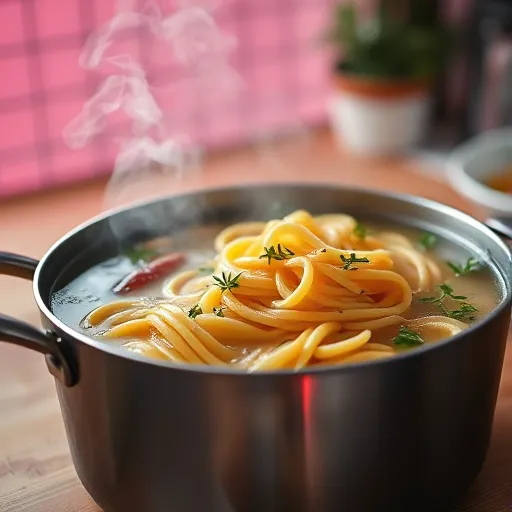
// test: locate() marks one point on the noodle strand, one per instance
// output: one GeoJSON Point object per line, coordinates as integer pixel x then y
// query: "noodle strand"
{"type": "Point", "coordinates": [297, 292]}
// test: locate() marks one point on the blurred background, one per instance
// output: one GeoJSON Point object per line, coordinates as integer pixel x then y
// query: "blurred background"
{"type": "Point", "coordinates": [289, 55]}
{"type": "Point", "coordinates": [387, 94]}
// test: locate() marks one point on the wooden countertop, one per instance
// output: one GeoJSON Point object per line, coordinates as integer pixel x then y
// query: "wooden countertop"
{"type": "Point", "coordinates": [36, 473]}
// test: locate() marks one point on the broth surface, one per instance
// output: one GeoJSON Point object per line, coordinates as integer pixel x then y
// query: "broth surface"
{"type": "Point", "coordinates": [94, 287]}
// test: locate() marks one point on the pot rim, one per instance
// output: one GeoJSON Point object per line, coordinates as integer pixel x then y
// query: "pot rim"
{"type": "Point", "coordinates": [217, 370]}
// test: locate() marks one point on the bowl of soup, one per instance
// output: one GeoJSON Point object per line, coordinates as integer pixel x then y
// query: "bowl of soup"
{"type": "Point", "coordinates": [274, 347]}
{"type": "Point", "coordinates": [481, 170]}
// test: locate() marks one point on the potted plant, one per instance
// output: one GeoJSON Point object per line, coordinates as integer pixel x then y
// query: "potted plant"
{"type": "Point", "coordinates": [385, 67]}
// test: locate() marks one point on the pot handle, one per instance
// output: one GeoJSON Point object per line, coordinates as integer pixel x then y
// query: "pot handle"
{"type": "Point", "coordinates": [23, 334]}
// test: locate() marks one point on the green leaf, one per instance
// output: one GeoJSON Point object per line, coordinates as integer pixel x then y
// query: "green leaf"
{"type": "Point", "coordinates": [195, 311]}
{"type": "Point", "coordinates": [219, 311]}
{"type": "Point", "coordinates": [429, 299]}
{"type": "Point", "coordinates": [427, 240]}
{"type": "Point", "coordinates": [414, 45]}
{"type": "Point", "coordinates": [464, 313]}
{"type": "Point", "coordinates": [205, 271]}
{"type": "Point", "coordinates": [348, 262]}
{"type": "Point", "coordinates": [282, 253]}
{"type": "Point", "coordinates": [360, 231]}
{"type": "Point", "coordinates": [446, 289]}
{"type": "Point", "coordinates": [407, 337]}
{"type": "Point", "coordinates": [137, 255]}
{"type": "Point", "coordinates": [227, 282]}
{"type": "Point", "coordinates": [471, 265]}
{"type": "Point", "coordinates": [457, 269]}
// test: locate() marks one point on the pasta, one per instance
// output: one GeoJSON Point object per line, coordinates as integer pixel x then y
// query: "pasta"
{"type": "Point", "coordinates": [286, 294]}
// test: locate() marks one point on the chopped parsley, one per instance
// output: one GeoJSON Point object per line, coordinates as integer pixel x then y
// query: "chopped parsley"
{"type": "Point", "coordinates": [360, 231]}
{"type": "Point", "coordinates": [227, 282]}
{"type": "Point", "coordinates": [466, 310]}
{"type": "Point", "coordinates": [464, 313]}
{"type": "Point", "coordinates": [205, 271]}
{"type": "Point", "coordinates": [407, 338]}
{"type": "Point", "coordinates": [141, 254]}
{"type": "Point", "coordinates": [427, 240]}
{"type": "Point", "coordinates": [282, 253]}
{"type": "Point", "coordinates": [471, 265]}
{"type": "Point", "coordinates": [348, 262]}
{"type": "Point", "coordinates": [195, 311]}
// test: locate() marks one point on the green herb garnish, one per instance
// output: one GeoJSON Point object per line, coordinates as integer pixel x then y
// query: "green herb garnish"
{"type": "Point", "coordinates": [226, 282]}
{"type": "Point", "coordinates": [472, 265]}
{"type": "Point", "coordinates": [464, 313]}
{"type": "Point", "coordinates": [282, 253]}
{"type": "Point", "coordinates": [407, 337]}
{"type": "Point", "coordinates": [219, 311]}
{"type": "Point", "coordinates": [446, 291]}
{"type": "Point", "coordinates": [205, 270]}
{"type": "Point", "coordinates": [427, 240]}
{"type": "Point", "coordinates": [360, 231]}
{"type": "Point", "coordinates": [195, 311]}
{"type": "Point", "coordinates": [140, 254]}
{"type": "Point", "coordinates": [348, 262]}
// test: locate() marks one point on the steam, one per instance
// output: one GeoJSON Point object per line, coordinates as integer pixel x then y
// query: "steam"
{"type": "Point", "coordinates": [155, 155]}
{"type": "Point", "coordinates": [128, 93]}
{"type": "Point", "coordinates": [96, 46]}
{"type": "Point", "coordinates": [196, 39]}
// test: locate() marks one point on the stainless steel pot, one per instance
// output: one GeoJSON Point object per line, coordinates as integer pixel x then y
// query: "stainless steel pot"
{"type": "Point", "coordinates": [409, 433]}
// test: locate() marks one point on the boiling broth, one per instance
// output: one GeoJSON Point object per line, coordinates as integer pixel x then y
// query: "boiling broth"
{"type": "Point", "coordinates": [94, 287]}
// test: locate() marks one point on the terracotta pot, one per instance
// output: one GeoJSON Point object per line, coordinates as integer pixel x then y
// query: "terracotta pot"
{"type": "Point", "coordinates": [378, 116]}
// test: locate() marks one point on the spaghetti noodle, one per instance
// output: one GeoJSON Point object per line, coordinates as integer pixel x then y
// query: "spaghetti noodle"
{"type": "Point", "coordinates": [289, 293]}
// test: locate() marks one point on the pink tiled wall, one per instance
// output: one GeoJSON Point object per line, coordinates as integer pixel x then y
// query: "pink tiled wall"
{"type": "Point", "coordinates": [42, 86]}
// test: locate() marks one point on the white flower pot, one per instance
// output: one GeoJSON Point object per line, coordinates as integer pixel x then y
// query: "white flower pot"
{"type": "Point", "coordinates": [377, 120]}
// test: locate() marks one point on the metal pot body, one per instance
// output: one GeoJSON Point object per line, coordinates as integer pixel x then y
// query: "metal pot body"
{"type": "Point", "coordinates": [409, 433]}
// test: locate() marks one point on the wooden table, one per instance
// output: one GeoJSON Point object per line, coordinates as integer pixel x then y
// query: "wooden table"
{"type": "Point", "coordinates": [36, 473]}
